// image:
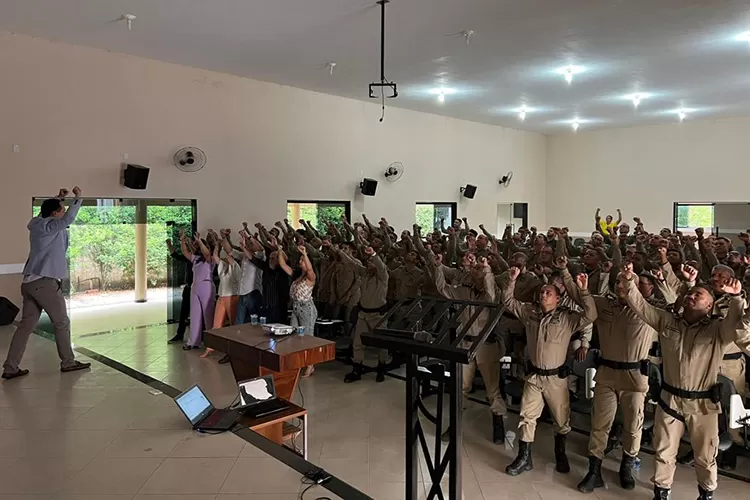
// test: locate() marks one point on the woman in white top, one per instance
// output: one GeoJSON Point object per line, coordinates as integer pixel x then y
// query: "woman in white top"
{"type": "Point", "coordinates": [230, 275]}
{"type": "Point", "coordinates": [304, 312]}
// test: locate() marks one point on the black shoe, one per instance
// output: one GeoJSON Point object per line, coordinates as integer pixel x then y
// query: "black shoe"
{"type": "Point", "coordinates": [178, 338]}
{"type": "Point", "coordinates": [627, 470]}
{"type": "Point", "coordinates": [224, 360]}
{"type": "Point", "coordinates": [15, 374]}
{"type": "Point", "coordinates": [523, 461]}
{"type": "Point", "coordinates": [593, 478]}
{"type": "Point", "coordinates": [705, 495]}
{"type": "Point", "coordinates": [355, 375]}
{"type": "Point", "coordinates": [661, 493]}
{"type": "Point", "coordinates": [75, 367]}
{"type": "Point", "coordinates": [380, 377]}
{"type": "Point", "coordinates": [498, 429]}
{"type": "Point", "coordinates": [561, 459]}
{"type": "Point", "coordinates": [446, 437]}
{"type": "Point", "coordinates": [728, 459]}
{"type": "Point", "coordinates": [187, 347]}
{"type": "Point", "coordinates": [687, 458]}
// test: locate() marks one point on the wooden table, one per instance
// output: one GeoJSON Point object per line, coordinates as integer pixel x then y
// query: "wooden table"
{"type": "Point", "coordinates": [275, 427]}
{"type": "Point", "coordinates": [253, 353]}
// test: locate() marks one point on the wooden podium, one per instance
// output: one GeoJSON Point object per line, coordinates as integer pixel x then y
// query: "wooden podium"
{"type": "Point", "coordinates": [253, 353]}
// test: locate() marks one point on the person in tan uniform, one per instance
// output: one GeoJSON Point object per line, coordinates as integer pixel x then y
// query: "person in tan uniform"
{"type": "Point", "coordinates": [487, 359]}
{"type": "Point", "coordinates": [621, 378]}
{"type": "Point", "coordinates": [345, 286]}
{"type": "Point", "coordinates": [693, 345]}
{"type": "Point", "coordinates": [548, 332]}
{"type": "Point", "coordinates": [405, 282]}
{"type": "Point", "coordinates": [372, 308]}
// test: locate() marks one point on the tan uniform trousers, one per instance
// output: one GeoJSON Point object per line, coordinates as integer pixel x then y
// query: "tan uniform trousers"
{"type": "Point", "coordinates": [537, 390]}
{"type": "Point", "coordinates": [734, 370]}
{"type": "Point", "coordinates": [606, 400]}
{"type": "Point", "coordinates": [704, 439]}
{"type": "Point", "coordinates": [488, 361]}
{"type": "Point", "coordinates": [366, 321]}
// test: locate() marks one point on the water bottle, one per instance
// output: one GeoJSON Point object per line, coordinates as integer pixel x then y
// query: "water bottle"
{"type": "Point", "coordinates": [253, 319]}
{"type": "Point", "coordinates": [637, 464]}
{"type": "Point", "coordinates": [262, 320]}
{"type": "Point", "coordinates": [300, 330]}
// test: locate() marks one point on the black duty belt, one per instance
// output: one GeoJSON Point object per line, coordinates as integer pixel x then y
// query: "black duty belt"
{"type": "Point", "coordinates": [714, 394]}
{"type": "Point", "coordinates": [732, 356]}
{"type": "Point", "coordinates": [562, 371]}
{"type": "Point", "coordinates": [641, 366]}
{"type": "Point", "coordinates": [382, 309]}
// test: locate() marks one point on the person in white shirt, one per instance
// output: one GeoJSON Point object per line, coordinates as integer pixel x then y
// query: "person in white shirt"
{"type": "Point", "coordinates": [230, 275]}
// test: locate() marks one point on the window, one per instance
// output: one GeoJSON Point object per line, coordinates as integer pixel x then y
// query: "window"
{"type": "Point", "coordinates": [429, 214]}
{"type": "Point", "coordinates": [690, 216]}
{"type": "Point", "coordinates": [318, 213]}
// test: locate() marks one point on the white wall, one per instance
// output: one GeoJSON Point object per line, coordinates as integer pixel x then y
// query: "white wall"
{"type": "Point", "coordinates": [74, 111]}
{"type": "Point", "coordinates": [644, 170]}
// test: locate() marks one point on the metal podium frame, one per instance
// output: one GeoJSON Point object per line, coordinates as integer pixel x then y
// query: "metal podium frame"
{"type": "Point", "coordinates": [429, 327]}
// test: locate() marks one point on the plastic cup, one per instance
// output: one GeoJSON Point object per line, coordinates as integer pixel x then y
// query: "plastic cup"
{"type": "Point", "coordinates": [300, 330]}
{"type": "Point", "coordinates": [254, 319]}
{"type": "Point", "coordinates": [262, 320]}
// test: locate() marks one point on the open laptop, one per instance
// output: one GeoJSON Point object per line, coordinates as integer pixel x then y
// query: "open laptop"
{"type": "Point", "coordinates": [202, 414]}
{"type": "Point", "coordinates": [258, 397]}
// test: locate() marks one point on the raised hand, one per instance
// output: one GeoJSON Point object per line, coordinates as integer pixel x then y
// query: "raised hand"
{"type": "Point", "coordinates": [689, 272]}
{"type": "Point", "coordinates": [369, 251]}
{"type": "Point", "coordinates": [302, 249]}
{"type": "Point", "coordinates": [699, 232]}
{"type": "Point", "coordinates": [732, 287]}
{"type": "Point", "coordinates": [656, 273]}
{"type": "Point", "coordinates": [561, 262]}
{"type": "Point", "coordinates": [62, 193]}
{"type": "Point", "coordinates": [582, 280]}
{"type": "Point", "coordinates": [514, 273]}
{"type": "Point", "coordinates": [278, 224]}
{"type": "Point", "coordinates": [77, 192]}
{"type": "Point", "coordinates": [626, 273]}
{"type": "Point", "coordinates": [607, 266]}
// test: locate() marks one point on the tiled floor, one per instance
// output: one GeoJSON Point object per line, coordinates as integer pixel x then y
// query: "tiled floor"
{"type": "Point", "coordinates": [102, 435]}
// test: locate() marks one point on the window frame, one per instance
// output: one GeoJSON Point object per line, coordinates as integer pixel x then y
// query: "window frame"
{"type": "Point", "coordinates": [347, 204]}
{"type": "Point", "coordinates": [452, 204]}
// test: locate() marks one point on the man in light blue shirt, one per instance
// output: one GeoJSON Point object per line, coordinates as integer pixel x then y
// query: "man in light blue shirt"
{"type": "Point", "coordinates": [41, 290]}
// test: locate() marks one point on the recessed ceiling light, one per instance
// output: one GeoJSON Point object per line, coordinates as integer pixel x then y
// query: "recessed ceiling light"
{"type": "Point", "coordinates": [575, 124]}
{"type": "Point", "coordinates": [682, 114]}
{"type": "Point", "coordinates": [522, 113]}
{"type": "Point", "coordinates": [441, 97]}
{"type": "Point", "coordinates": [441, 92]}
{"type": "Point", "coordinates": [569, 72]}
{"type": "Point", "coordinates": [636, 100]}
{"type": "Point", "coordinates": [743, 37]}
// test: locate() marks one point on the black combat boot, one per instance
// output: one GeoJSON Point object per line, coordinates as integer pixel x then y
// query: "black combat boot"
{"type": "Point", "coordinates": [728, 459]}
{"type": "Point", "coordinates": [355, 375]}
{"type": "Point", "coordinates": [661, 493]}
{"type": "Point", "coordinates": [561, 459]}
{"type": "Point", "coordinates": [705, 495]}
{"type": "Point", "coordinates": [498, 429]}
{"type": "Point", "coordinates": [593, 478]}
{"type": "Point", "coordinates": [380, 377]}
{"type": "Point", "coordinates": [627, 470]}
{"type": "Point", "coordinates": [523, 462]}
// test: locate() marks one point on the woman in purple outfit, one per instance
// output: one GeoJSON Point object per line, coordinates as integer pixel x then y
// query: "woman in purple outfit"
{"type": "Point", "coordinates": [203, 292]}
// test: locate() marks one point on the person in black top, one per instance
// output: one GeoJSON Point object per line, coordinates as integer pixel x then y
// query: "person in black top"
{"type": "Point", "coordinates": [180, 262]}
{"type": "Point", "coordinates": [275, 289]}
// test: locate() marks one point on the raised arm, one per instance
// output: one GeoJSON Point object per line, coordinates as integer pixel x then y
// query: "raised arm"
{"type": "Point", "coordinates": [203, 248]}
{"type": "Point", "coordinates": [509, 299]}
{"type": "Point", "coordinates": [56, 225]}
{"type": "Point", "coordinates": [305, 261]}
{"type": "Point", "coordinates": [653, 316]}
{"type": "Point", "coordinates": [619, 217]}
{"type": "Point", "coordinates": [283, 264]}
{"type": "Point", "coordinates": [186, 251]}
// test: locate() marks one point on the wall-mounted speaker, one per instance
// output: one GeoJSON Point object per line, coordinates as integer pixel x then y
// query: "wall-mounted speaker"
{"type": "Point", "coordinates": [136, 176]}
{"type": "Point", "coordinates": [368, 187]}
{"type": "Point", "coordinates": [469, 191]}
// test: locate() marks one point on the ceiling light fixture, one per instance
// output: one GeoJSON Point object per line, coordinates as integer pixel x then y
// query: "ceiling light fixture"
{"type": "Point", "coordinates": [743, 37]}
{"type": "Point", "coordinates": [636, 100]}
{"type": "Point", "coordinates": [575, 125]}
{"type": "Point", "coordinates": [129, 18]}
{"type": "Point", "coordinates": [522, 113]}
{"type": "Point", "coordinates": [682, 114]}
{"type": "Point", "coordinates": [569, 72]}
{"type": "Point", "coordinates": [441, 97]}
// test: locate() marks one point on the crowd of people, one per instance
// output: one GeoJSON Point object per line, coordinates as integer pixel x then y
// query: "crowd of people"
{"type": "Point", "coordinates": [616, 295]}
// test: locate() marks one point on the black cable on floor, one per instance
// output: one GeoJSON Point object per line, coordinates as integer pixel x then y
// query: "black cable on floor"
{"type": "Point", "coordinates": [310, 484]}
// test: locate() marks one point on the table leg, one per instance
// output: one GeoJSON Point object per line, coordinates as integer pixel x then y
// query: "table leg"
{"type": "Point", "coordinates": [304, 436]}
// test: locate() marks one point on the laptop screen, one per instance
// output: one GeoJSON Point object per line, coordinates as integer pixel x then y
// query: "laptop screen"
{"type": "Point", "coordinates": [194, 404]}
{"type": "Point", "coordinates": [257, 390]}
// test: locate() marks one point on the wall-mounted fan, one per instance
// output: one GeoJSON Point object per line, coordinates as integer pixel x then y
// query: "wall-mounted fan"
{"type": "Point", "coordinates": [189, 159]}
{"type": "Point", "coordinates": [394, 171]}
{"type": "Point", "coordinates": [505, 180]}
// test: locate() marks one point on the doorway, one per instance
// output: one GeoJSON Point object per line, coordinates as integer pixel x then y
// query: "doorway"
{"type": "Point", "coordinates": [120, 274]}
{"type": "Point", "coordinates": [721, 219]}
{"type": "Point", "coordinates": [515, 215]}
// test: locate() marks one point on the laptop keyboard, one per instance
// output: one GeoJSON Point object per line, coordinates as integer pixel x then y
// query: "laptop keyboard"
{"type": "Point", "coordinates": [266, 407]}
{"type": "Point", "coordinates": [225, 418]}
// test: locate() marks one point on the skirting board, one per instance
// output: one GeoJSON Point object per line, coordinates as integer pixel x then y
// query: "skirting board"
{"type": "Point", "coordinates": [11, 268]}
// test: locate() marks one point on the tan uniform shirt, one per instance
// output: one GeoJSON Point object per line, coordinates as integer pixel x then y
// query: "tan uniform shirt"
{"type": "Point", "coordinates": [721, 307]}
{"type": "Point", "coordinates": [548, 335]}
{"type": "Point", "coordinates": [346, 282]}
{"type": "Point", "coordinates": [526, 285]}
{"type": "Point", "coordinates": [374, 284]}
{"type": "Point", "coordinates": [691, 354]}
{"type": "Point", "coordinates": [405, 282]}
{"type": "Point", "coordinates": [465, 292]}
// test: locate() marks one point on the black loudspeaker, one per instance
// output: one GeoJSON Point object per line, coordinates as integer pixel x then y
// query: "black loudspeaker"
{"type": "Point", "coordinates": [136, 176]}
{"type": "Point", "coordinates": [520, 210]}
{"type": "Point", "coordinates": [368, 187]}
{"type": "Point", "coordinates": [8, 311]}
{"type": "Point", "coordinates": [469, 191]}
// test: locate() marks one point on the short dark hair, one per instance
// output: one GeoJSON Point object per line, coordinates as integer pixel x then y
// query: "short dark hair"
{"type": "Point", "coordinates": [650, 277]}
{"type": "Point", "coordinates": [50, 206]}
